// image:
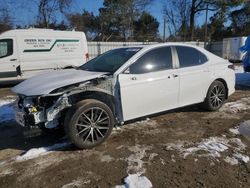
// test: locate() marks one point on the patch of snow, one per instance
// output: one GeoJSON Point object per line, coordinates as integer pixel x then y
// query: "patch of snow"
{"type": "Point", "coordinates": [236, 106]}
{"type": "Point", "coordinates": [135, 162]}
{"type": "Point", "coordinates": [212, 164]}
{"type": "Point", "coordinates": [152, 156]}
{"type": "Point", "coordinates": [136, 181]}
{"type": "Point", "coordinates": [6, 109]}
{"type": "Point", "coordinates": [172, 158]}
{"type": "Point", "coordinates": [76, 183]}
{"type": "Point", "coordinates": [237, 158]}
{"type": "Point", "coordinates": [36, 152]}
{"type": "Point", "coordinates": [120, 147]}
{"type": "Point", "coordinates": [144, 121]}
{"type": "Point", "coordinates": [231, 160]}
{"type": "Point", "coordinates": [6, 172]}
{"type": "Point", "coordinates": [240, 157]}
{"type": "Point", "coordinates": [235, 130]}
{"type": "Point", "coordinates": [147, 122]}
{"type": "Point", "coordinates": [211, 147]}
{"type": "Point", "coordinates": [239, 143]}
{"type": "Point", "coordinates": [162, 161]}
{"type": "Point", "coordinates": [106, 158]}
{"type": "Point", "coordinates": [2, 163]}
{"type": "Point", "coordinates": [244, 128]}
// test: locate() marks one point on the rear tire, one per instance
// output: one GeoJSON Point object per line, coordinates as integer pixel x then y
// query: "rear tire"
{"type": "Point", "coordinates": [216, 96]}
{"type": "Point", "coordinates": [89, 123]}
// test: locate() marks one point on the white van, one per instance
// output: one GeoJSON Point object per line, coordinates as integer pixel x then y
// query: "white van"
{"type": "Point", "coordinates": [231, 48]}
{"type": "Point", "coordinates": [27, 52]}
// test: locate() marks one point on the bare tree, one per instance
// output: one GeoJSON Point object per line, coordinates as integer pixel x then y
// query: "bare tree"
{"type": "Point", "coordinates": [209, 5]}
{"type": "Point", "coordinates": [5, 20]}
{"type": "Point", "coordinates": [177, 13]}
{"type": "Point", "coordinates": [48, 8]}
{"type": "Point", "coordinates": [181, 14]}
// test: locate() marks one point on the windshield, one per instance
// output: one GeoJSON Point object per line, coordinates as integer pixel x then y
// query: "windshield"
{"type": "Point", "coordinates": [111, 60]}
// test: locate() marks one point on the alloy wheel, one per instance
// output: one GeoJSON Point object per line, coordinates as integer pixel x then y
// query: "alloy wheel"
{"type": "Point", "coordinates": [217, 96]}
{"type": "Point", "coordinates": [93, 125]}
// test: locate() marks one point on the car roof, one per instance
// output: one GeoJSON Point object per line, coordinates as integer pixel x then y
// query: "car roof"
{"type": "Point", "coordinates": [193, 45]}
{"type": "Point", "coordinates": [150, 46]}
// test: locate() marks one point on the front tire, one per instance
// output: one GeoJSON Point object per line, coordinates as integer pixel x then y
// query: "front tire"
{"type": "Point", "coordinates": [89, 123]}
{"type": "Point", "coordinates": [216, 96]}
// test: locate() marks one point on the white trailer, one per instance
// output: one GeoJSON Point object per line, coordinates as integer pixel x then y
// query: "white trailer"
{"type": "Point", "coordinates": [231, 48]}
{"type": "Point", "coordinates": [28, 52]}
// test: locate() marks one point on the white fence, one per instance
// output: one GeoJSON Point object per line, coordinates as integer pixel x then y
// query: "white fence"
{"type": "Point", "coordinates": [97, 48]}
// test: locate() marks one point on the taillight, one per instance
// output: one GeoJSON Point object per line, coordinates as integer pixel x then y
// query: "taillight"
{"type": "Point", "coordinates": [231, 67]}
{"type": "Point", "coordinates": [87, 56]}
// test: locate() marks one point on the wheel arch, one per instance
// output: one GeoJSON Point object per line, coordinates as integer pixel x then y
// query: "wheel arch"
{"type": "Point", "coordinates": [97, 95]}
{"type": "Point", "coordinates": [69, 67]}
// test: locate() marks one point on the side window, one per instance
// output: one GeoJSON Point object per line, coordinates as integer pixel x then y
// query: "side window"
{"type": "Point", "coordinates": [189, 56]}
{"type": "Point", "coordinates": [6, 47]}
{"type": "Point", "coordinates": [154, 60]}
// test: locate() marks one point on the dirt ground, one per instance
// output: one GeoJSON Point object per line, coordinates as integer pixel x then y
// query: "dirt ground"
{"type": "Point", "coordinates": [147, 147]}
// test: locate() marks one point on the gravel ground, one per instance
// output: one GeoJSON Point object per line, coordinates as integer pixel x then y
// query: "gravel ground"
{"type": "Point", "coordinates": [187, 147]}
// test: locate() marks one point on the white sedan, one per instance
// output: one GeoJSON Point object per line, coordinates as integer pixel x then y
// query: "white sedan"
{"type": "Point", "coordinates": [121, 85]}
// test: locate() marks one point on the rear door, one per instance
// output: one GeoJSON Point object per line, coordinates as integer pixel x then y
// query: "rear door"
{"type": "Point", "coordinates": [195, 75]}
{"type": "Point", "coordinates": [151, 86]}
{"type": "Point", "coordinates": [9, 64]}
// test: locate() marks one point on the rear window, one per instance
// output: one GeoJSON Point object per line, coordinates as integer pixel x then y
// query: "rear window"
{"type": "Point", "coordinates": [189, 56]}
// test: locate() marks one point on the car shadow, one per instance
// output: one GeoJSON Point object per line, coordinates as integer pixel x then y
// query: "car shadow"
{"type": "Point", "coordinates": [191, 108]}
{"type": "Point", "coordinates": [13, 136]}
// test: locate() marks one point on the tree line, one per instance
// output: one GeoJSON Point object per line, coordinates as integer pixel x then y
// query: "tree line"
{"type": "Point", "coordinates": [130, 20]}
{"type": "Point", "coordinates": [229, 18]}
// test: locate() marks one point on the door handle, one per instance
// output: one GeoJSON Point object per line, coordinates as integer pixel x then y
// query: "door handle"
{"type": "Point", "coordinates": [175, 75]}
{"type": "Point", "coordinates": [13, 59]}
{"type": "Point", "coordinates": [133, 78]}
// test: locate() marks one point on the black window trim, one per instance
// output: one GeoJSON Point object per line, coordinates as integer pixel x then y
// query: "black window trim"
{"type": "Point", "coordinates": [178, 61]}
{"type": "Point", "coordinates": [174, 63]}
{"type": "Point", "coordinates": [12, 47]}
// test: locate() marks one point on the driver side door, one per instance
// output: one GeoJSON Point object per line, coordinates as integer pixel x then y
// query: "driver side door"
{"type": "Point", "coordinates": [151, 86]}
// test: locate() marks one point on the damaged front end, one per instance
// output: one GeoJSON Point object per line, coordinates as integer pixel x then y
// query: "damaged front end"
{"type": "Point", "coordinates": [43, 111]}
{"type": "Point", "coordinates": [48, 111]}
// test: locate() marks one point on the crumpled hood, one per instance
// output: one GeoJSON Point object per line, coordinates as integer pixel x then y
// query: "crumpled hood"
{"type": "Point", "coordinates": [47, 82]}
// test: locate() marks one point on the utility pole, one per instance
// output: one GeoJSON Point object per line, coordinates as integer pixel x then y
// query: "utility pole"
{"type": "Point", "coordinates": [164, 29]}
{"type": "Point", "coordinates": [205, 35]}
